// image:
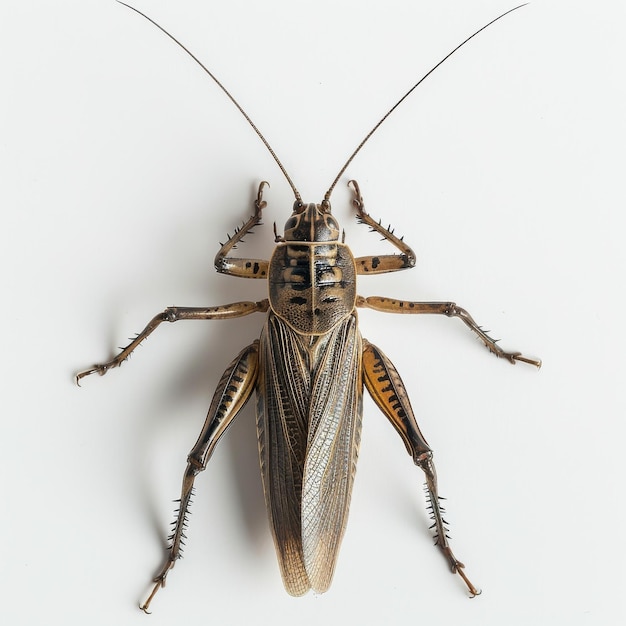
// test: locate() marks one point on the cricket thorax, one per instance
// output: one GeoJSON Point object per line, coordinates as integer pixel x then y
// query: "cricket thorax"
{"type": "Point", "coordinates": [311, 274]}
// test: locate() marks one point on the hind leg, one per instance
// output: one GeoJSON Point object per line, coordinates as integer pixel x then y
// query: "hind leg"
{"type": "Point", "coordinates": [388, 392]}
{"type": "Point", "coordinates": [232, 393]}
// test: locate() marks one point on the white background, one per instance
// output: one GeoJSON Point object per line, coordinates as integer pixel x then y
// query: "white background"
{"type": "Point", "coordinates": [122, 166]}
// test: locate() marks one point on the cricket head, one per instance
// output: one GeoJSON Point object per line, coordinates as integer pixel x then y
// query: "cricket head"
{"type": "Point", "coordinates": [311, 222]}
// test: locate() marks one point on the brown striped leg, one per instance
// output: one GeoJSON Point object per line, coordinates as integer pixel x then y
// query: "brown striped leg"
{"type": "Point", "coordinates": [232, 393]}
{"type": "Point", "coordinates": [241, 267]}
{"type": "Point", "coordinates": [174, 314]}
{"type": "Point", "coordinates": [389, 305]}
{"type": "Point", "coordinates": [389, 393]}
{"type": "Point", "coordinates": [384, 263]}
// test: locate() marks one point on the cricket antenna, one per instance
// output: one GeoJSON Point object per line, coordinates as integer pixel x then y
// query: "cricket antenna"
{"type": "Point", "coordinates": [232, 99]}
{"type": "Point", "coordinates": [406, 95]}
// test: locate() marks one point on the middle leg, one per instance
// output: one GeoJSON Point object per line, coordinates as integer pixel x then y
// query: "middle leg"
{"type": "Point", "coordinates": [450, 309]}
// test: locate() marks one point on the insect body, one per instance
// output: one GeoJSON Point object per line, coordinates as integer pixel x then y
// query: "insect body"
{"type": "Point", "coordinates": [308, 370]}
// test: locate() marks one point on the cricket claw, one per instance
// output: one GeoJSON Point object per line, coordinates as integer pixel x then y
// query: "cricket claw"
{"type": "Point", "coordinates": [159, 582]}
{"type": "Point", "coordinates": [519, 357]}
{"type": "Point", "coordinates": [457, 568]}
{"type": "Point", "coordinates": [513, 357]}
{"type": "Point", "coordinates": [473, 591]}
{"type": "Point", "coordinates": [80, 375]}
{"type": "Point", "coordinates": [357, 201]}
{"type": "Point", "coordinates": [260, 204]}
{"type": "Point", "coordinates": [99, 369]}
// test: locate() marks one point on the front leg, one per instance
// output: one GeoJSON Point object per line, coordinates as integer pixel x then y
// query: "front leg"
{"type": "Point", "coordinates": [384, 263]}
{"type": "Point", "coordinates": [242, 267]}
{"type": "Point", "coordinates": [174, 314]}
{"type": "Point", "coordinates": [389, 305]}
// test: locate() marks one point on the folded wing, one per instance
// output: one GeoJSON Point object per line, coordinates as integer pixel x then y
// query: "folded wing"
{"type": "Point", "coordinates": [309, 423]}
